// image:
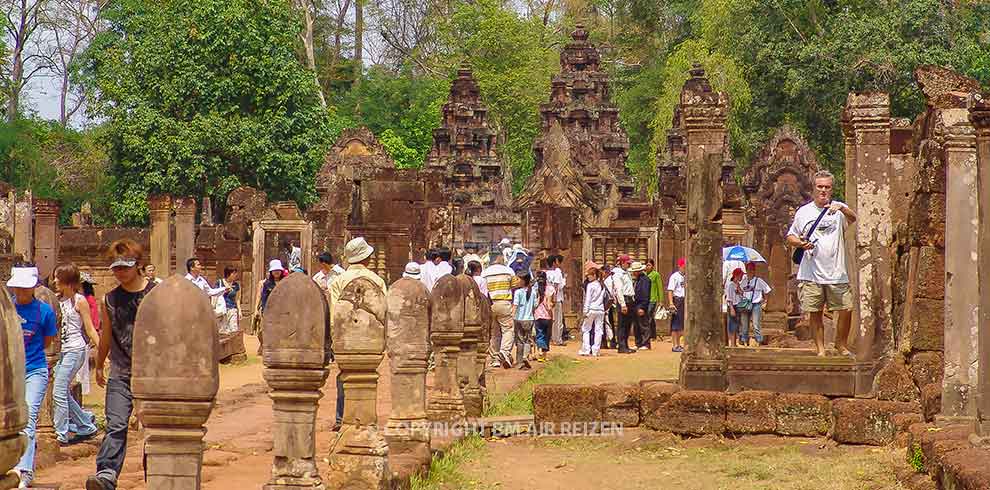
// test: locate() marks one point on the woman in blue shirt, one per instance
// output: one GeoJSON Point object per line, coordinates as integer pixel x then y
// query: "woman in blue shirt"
{"type": "Point", "coordinates": [523, 301]}
{"type": "Point", "coordinates": [38, 325]}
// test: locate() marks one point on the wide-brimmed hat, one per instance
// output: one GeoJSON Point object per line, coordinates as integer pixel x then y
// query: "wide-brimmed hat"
{"type": "Point", "coordinates": [412, 270]}
{"type": "Point", "coordinates": [23, 277]}
{"type": "Point", "coordinates": [357, 250]}
{"type": "Point", "coordinates": [637, 267]}
{"type": "Point", "coordinates": [472, 258]}
{"type": "Point", "coordinates": [518, 247]}
{"type": "Point", "coordinates": [275, 265]}
{"type": "Point", "coordinates": [591, 265]}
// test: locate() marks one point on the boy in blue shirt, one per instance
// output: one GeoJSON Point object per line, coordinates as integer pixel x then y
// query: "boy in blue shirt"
{"type": "Point", "coordinates": [38, 324]}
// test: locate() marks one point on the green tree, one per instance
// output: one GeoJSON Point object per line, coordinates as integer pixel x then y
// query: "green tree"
{"type": "Point", "coordinates": [202, 96]}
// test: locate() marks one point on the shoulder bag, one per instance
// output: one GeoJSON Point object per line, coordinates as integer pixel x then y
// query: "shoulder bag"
{"type": "Point", "coordinates": [798, 255]}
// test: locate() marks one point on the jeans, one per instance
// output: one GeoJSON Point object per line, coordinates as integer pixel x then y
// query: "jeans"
{"type": "Point", "coordinates": [119, 405]}
{"type": "Point", "coordinates": [543, 334]}
{"type": "Point", "coordinates": [340, 399]}
{"type": "Point", "coordinates": [69, 416]}
{"type": "Point", "coordinates": [591, 333]}
{"type": "Point", "coordinates": [523, 328]}
{"type": "Point", "coordinates": [35, 385]}
{"type": "Point", "coordinates": [750, 320]}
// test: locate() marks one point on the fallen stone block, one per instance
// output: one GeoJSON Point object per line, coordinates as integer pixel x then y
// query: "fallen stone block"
{"type": "Point", "coordinates": [802, 415]}
{"type": "Point", "coordinates": [927, 368]}
{"type": "Point", "coordinates": [931, 400]}
{"type": "Point", "coordinates": [568, 408]}
{"type": "Point", "coordinates": [865, 421]}
{"type": "Point", "coordinates": [902, 424]}
{"type": "Point", "coordinates": [654, 397]}
{"type": "Point", "coordinates": [622, 404]}
{"type": "Point", "coordinates": [966, 469]}
{"type": "Point", "coordinates": [894, 382]}
{"type": "Point", "coordinates": [751, 412]}
{"type": "Point", "coordinates": [696, 413]}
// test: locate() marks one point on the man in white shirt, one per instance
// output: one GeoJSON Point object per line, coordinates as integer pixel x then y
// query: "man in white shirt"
{"type": "Point", "coordinates": [556, 278]}
{"type": "Point", "coordinates": [625, 298]}
{"type": "Point", "coordinates": [195, 275]}
{"type": "Point", "coordinates": [329, 270]}
{"type": "Point", "coordinates": [822, 277]}
{"type": "Point", "coordinates": [443, 266]}
{"type": "Point", "coordinates": [675, 299]}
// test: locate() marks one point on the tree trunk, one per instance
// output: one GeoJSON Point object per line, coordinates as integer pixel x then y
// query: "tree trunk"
{"type": "Point", "coordinates": [16, 73]}
{"type": "Point", "coordinates": [307, 39]}
{"type": "Point", "coordinates": [358, 41]}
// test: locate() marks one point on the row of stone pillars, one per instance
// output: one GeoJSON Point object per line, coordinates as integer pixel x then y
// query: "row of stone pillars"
{"type": "Point", "coordinates": [175, 394]}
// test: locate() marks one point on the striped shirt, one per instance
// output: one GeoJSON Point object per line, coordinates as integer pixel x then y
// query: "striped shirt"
{"type": "Point", "coordinates": [499, 279]}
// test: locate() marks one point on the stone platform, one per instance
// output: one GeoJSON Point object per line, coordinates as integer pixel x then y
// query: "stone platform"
{"type": "Point", "coordinates": [794, 371]}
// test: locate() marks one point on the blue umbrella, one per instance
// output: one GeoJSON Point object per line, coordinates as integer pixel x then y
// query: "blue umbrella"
{"type": "Point", "coordinates": [742, 254]}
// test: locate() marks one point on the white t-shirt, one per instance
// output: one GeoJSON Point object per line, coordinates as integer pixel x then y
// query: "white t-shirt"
{"type": "Point", "coordinates": [556, 277]}
{"type": "Point", "coordinates": [732, 296]}
{"type": "Point", "coordinates": [754, 289]}
{"type": "Point", "coordinates": [72, 324]}
{"type": "Point", "coordinates": [676, 284]}
{"type": "Point", "coordinates": [826, 263]}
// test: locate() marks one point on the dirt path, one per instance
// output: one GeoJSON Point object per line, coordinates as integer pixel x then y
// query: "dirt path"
{"type": "Point", "coordinates": [238, 437]}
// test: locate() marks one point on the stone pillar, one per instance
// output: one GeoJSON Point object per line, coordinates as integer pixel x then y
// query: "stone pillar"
{"type": "Point", "coordinates": [23, 219]}
{"type": "Point", "coordinates": [446, 330]}
{"type": "Point", "coordinates": [408, 431]}
{"type": "Point", "coordinates": [45, 236]}
{"type": "Point", "coordinates": [979, 115]}
{"type": "Point", "coordinates": [174, 393]}
{"type": "Point", "coordinates": [360, 459]}
{"type": "Point", "coordinates": [46, 443]}
{"type": "Point", "coordinates": [704, 112]}
{"type": "Point", "coordinates": [295, 356]}
{"type": "Point", "coordinates": [851, 167]}
{"type": "Point", "coordinates": [160, 208]}
{"type": "Point", "coordinates": [872, 235]}
{"type": "Point", "coordinates": [467, 372]}
{"type": "Point", "coordinates": [961, 265]}
{"type": "Point", "coordinates": [13, 412]}
{"type": "Point", "coordinates": [779, 272]}
{"type": "Point", "coordinates": [185, 232]}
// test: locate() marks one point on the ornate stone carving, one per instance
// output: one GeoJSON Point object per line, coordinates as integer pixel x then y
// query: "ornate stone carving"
{"type": "Point", "coordinates": [174, 393]}
{"type": "Point", "coordinates": [296, 352]}
{"type": "Point", "coordinates": [446, 403]}
{"type": "Point", "coordinates": [13, 412]}
{"type": "Point", "coordinates": [408, 431]}
{"type": "Point", "coordinates": [360, 459]}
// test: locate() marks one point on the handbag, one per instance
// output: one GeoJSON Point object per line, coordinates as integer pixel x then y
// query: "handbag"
{"type": "Point", "coordinates": [798, 254]}
{"type": "Point", "coordinates": [219, 304]}
{"type": "Point", "coordinates": [662, 313]}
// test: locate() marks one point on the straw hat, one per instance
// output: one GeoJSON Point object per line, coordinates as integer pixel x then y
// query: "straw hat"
{"type": "Point", "coordinates": [412, 270]}
{"type": "Point", "coordinates": [637, 267]}
{"type": "Point", "coordinates": [23, 277]}
{"type": "Point", "coordinates": [357, 250]}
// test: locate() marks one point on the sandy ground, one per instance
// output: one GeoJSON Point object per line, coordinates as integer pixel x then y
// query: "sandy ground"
{"type": "Point", "coordinates": [238, 438]}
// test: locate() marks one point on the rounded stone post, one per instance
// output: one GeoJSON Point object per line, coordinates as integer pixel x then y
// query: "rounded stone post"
{"type": "Point", "coordinates": [295, 355]}
{"type": "Point", "coordinates": [467, 370]}
{"type": "Point", "coordinates": [408, 431]}
{"type": "Point", "coordinates": [13, 412]}
{"type": "Point", "coordinates": [446, 330]}
{"type": "Point", "coordinates": [361, 457]}
{"type": "Point", "coordinates": [175, 380]}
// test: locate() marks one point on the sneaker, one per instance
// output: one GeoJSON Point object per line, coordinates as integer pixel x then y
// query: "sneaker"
{"type": "Point", "coordinates": [24, 479]}
{"type": "Point", "coordinates": [96, 483]}
{"type": "Point", "coordinates": [679, 349]}
{"type": "Point", "coordinates": [504, 360]}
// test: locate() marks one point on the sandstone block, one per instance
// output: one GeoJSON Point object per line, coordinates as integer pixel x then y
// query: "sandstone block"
{"type": "Point", "coordinates": [902, 423]}
{"type": "Point", "coordinates": [751, 412]}
{"type": "Point", "coordinates": [802, 415]}
{"type": "Point", "coordinates": [931, 400]}
{"type": "Point", "coordinates": [696, 412]}
{"type": "Point", "coordinates": [558, 408]}
{"type": "Point", "coordinates": [966, 469]}
{"type": "Point", "coordinates": [931, 274]}
{"type": "Point", "coordinates": [863, 421]}
{"type": "Point", "coordinates": [925, 332]}
{"type": "Point", "coordinates": [654, 397]}
{"type": "Point", "coordinates": [894, 382]}
{"type": "Point", "coordinates": [622, 404]}
{"type": "Point", "coordinates": [927, 368]}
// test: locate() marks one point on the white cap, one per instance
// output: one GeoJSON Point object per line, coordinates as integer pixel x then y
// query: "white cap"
{"type": "Point", "coordinates": [357, 250]}
{"type": "Point", "coordinates": [23, 277]}
{"type": "Point", "coordinates": [412, 270]}
{"type": "Point", "coordinates": [275, 265]}
{"type": "Point", "coordinates": [505, 242]}
{"type": "Point", "coordinates": [123, 262]}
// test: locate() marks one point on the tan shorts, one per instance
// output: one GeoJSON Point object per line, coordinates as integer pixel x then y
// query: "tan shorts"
{"type": "Point", "coordinates": [813, 296]}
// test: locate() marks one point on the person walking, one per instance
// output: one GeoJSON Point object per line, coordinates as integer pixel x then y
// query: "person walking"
{"type": "Point", "coordinates": [611, 307]}
{"type": "Point", "coordinates": [232, 298]}
{"type": "Point", "coordinates": [39, 329]}
{"type": "Point", "coordinates": [819, 229]}
{"type": "Point", "coordinates": [358, 254]}
{"type": "Point", "coordinates": [642, 306]}
{"type": "Point", "coordinates": [523, 303]}
{"type": "Point", "coordinates": [594, 311]}
{"type": "Point", "coordinates": [555, 277]}
{"type": "Point", "coordinates": [675, 300]}
{"type": "Point", "coordinates": [543, 313]}
{"type": "Point", "coordinates": [499, 279]}
{"type": "Point", "coordinates": [656, 290]}
{"type": "Point", "coordinates": [120, 308]}
{"type": "Point", "coordinates": [77, 335]}
{"type": "Point", "coordinates": [754, 291]}
{"type": "Point", "coordinates": [627, 296]}
{"type": "Point", "coordinates": [276, 272]}
{"type": "Point", "coordinates": [733, 296]}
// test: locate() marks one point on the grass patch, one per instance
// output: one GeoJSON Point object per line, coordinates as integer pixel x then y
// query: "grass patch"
{"type": "Point", "coordinates": [917, 459]}
{"type": "Point", "coordinates": [520, 400]}
{"type": "Point", "coordinates": [445, 470]}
